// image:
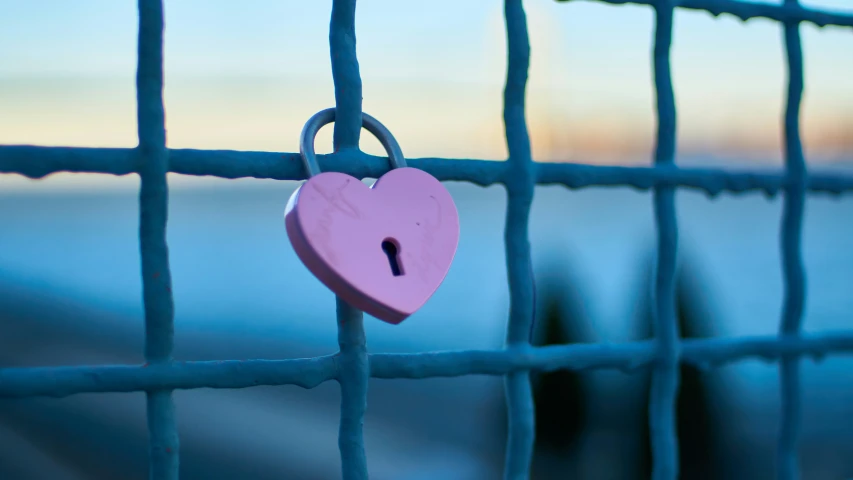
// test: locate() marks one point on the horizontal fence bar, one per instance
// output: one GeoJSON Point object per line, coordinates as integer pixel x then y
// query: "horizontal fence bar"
{"type": "Point", "coordinates": [310, 372]}
{"type": "Point", "coordinates": [64, 381]}
{"type": "Point", "coordinates": [38, 162]}
{"type": "Point", "coordinates": [745, 10]}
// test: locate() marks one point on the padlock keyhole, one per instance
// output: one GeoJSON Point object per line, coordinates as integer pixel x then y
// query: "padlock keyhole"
{"type": "Point", "coordinates": [393, 254]}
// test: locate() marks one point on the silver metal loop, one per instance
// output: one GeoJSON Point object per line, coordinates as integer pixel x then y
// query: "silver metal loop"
{"type": "Point", "coordinates": [323, 117]}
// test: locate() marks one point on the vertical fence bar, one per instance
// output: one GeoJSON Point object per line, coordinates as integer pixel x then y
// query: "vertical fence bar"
{"type": "Point", "coordinates": [354, 367]}
{"type": "Point", "coordinates": [520, 180]}
{"type": "Point", "coordinates": [665, 376]}
{"type": "Point", "coordinates": [346, 75]}
{"type": "Point", "coordinates": [154, 206]}
{"type": "Point", "coordinates": [354, 374]}
{"type": "Point", "coordinates": [792, 265]}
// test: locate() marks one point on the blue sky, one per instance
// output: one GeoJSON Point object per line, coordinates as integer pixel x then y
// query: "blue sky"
{"type": "Point", "coordinates": [246, 75]}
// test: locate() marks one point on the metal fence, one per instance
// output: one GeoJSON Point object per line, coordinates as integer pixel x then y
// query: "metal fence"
{"type": "Point", "coordinates": [353, 365]}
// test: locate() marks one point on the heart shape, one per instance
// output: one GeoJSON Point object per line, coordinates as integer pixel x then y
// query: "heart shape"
{"type": "Point", "coordinates": [384, 249]}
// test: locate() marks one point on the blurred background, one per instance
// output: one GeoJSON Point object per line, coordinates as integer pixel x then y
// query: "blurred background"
{"type": "Point", "coordinates": [245, 76]}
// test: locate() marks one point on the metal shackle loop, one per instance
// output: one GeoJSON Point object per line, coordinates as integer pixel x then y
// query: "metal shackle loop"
{"type": "Point", "coordinates": [323, 117]}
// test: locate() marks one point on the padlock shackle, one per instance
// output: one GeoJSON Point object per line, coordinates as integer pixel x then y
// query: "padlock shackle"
{"type": "Point", "coordinates": [372, 125]}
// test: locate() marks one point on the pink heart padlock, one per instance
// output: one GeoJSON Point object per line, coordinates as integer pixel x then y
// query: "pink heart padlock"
{"type": "Point", "coordinates": [383, 249]}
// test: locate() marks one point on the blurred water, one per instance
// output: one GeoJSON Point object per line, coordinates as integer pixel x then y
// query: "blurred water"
{"type": "Point", "coordinates": [234, 270]}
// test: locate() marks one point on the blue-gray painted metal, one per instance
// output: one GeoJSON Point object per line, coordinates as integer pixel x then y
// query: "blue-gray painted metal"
{"type": "Point", "coordinates": [353, 366]}
{"type": "Point", "coordinates": [520, 180]}
{"type": "Point", "coordinates": [372, 125]}
{"type": "Point", "coordinates": [745, 10]}
{"type": "Point", "coordinates": [154, 206]}
{"type": "Point", "coordinates": [665, 379]}
{"type": "Point", "coordinates": [353, 360]}
{"type": "Point", "coordinates": [38, 162]}
{"type": "Point", "coordinates": [793, 271]}
{"type": "Point", "coordinates": [310, 372]}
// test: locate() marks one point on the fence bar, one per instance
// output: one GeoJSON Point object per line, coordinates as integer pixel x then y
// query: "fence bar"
{"type": "Point", "coordinates": [352, 366]}
{"type": "Point", "coordinates": [353, 374]}
{"type": "Point", "coordinates": [354, 363]}
{"type": "Point", "coordinates": [520, 180]}
{"type": "Point", "coordinates": [154, 206]}
{"type": "Point", "coordinates": [310, 372]}
{"type": "Point", "coordinates": [65, 381]}
{"type": "Point", "coordinates": [664, 387]}
{"type": "Point", "coordinates": [745, 10]}
{"type": "Point", "coordinates": [37, 162]}
{"type": "Point", "coordinates": [792, 264]}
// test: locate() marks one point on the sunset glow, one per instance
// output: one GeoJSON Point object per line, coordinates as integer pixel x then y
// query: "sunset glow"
{"type": "Point", "coordinates": [247, 76]}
